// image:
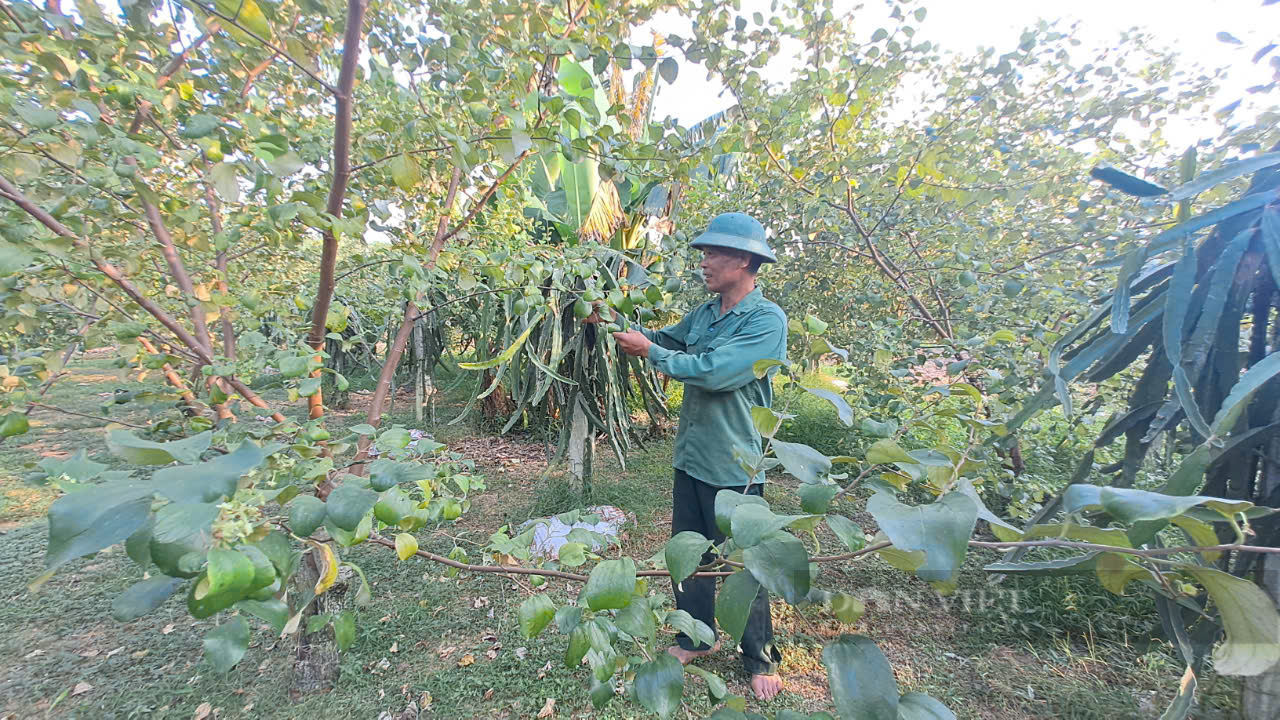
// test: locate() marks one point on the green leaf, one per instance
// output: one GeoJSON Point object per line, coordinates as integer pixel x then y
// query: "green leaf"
{"type": "Point", "coordinates": [506, 355]}
{"type": "Point", "coordinates": [344, 630]}
{"type": "Point", "coordinates": [1130, 505]}
{"type": "Point", "coordinates": [918, 706]}
{"type": "Point", "coordinates": [535, 614]}
{"type": "Point", "coordinates": [716, 687]}
{"type": "Point", "coordinates": [762, 367]}
{"type": "Point", "coordinates": [733, 604]}
{"type": "Point", "coordinates": [226, 181]}
{"type": "Point", "coordinates": [92, 518]}
{"type": "Point", "coordinates": [659, 684]}
{"type": "Point", "coordinates": [309, 386]}
{"type": "Point", "coordinates": [636, 619]}
{"type": "Point", "coordinates": [816, 498]}
{"type": "Point", "coordinates": [272, 611]}
{"type": "Point", "coordinates": [282, 166]}
{"type": "Point", "coordinates": [693, 629]}
{"type": "Point", "coordinates": [999, 527]}
{"type": "Point", "coordinates": [347, 505]}
{"type": "Point", "coordinates": [176, 522]}
{"type": "Point", "coordinates": [143, 596]}
{"type": "Point", "coordinates": [847, 531]}
{"type": "Point", "coordinates": [802, 461]}
{"type": "Point", "coordinates": [727, 501]}
{"type": "Point", "coordinates": [404, 172]}
{"type": "Point", "coordinates": [226, 644]}
{"type": "Point", "coordinates": [78, 467]}
{"type": "Point", "coordinates": [1046, 568]}
{"type": "Point", "coordinates": [230, 572]}
{"type": "Point", "coordinates": [363, 429]}
{"type": "Point", "coordinates": [683, 554]}
{"type": "Point", "coordinates": [842, 408]}
{"type": "Point", "coordinates": [568, 617]}
{"type": "Point", "coordinates": [579, 644]}
{"type": "Point", "coordinates": [886, 452]}
{"type": "Point", "coordinates": [847, 608]}
{"type": "Point", "coordinates": [860, 678]}
{"type": "Point", "coordinates": [124, 444]}
{"type": "Point", "coordinates": [668, 69]}
{"type": "Point", "coordinates": [781, 565]}
{"type": "Point", "coordinates": [306, 513]}
{"type": "Point", "coordinates": [13, 259]}
{"type": "Point", "coordinates": [1180, 707]}
{"type": "Point", "coordinates": [874, 428]}
{"type": "Point", "coordinates": [1249, 617]}
{"type": "Point", "coordinates": [751, 523]}
{"type": "Point", "coordinates": [572, 554]}
{"type": "Point", "coordinates": [941, 530]}
{"type": "Point", "coordinates": [384, 474]}
{"type": "Point", "coordinates": [199, 126]}
{"type": "Point", "coordinates": [1081, 533]}
{"type": "Point", "coordinates": [1223, 174]}
{"type": "Point", "coordinates": [211, 481]}
{"type": "Point", "coordinates": [610, 584]}
{"type": "Point", "coordinates": [766, 421]}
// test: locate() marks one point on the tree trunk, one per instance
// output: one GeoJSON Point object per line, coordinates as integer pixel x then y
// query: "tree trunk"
{"type": "Point", "coordinates": [419, 370]}
{"type": "Point", "coordinates": [316, 663]}
{"type": "Point", "coordinates": [579, 464]}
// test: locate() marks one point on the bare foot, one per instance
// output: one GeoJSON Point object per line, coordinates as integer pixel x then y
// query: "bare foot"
{"type": "Point", "coordinates": [687, 656]}
{"type": "Point", "coordinates": [766, 686]}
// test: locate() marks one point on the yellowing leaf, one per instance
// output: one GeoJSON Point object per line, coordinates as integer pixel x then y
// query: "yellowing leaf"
{"type": "Point", "coordinates": [466, 660]}
{"type": "Point", "coordinates": [246, 14]}
{"type": "Point", "coordinates": [328, 567]}
{"type": "Point", "coordinates": [406, 545]}
{"type": "Point", "coordinates": [605, 214]}
{"type": "Point", "coordinates": [1115, 571]}
{"type": "Point", "coordinates": [404, 172]}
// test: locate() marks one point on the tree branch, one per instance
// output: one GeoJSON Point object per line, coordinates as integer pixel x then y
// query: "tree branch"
{"type": "Point", "coordinates": [114, 274]}
{"type": "Point", "coordinates": [276, 48]}
{"type": "Point", "coordinates": [338, 190]}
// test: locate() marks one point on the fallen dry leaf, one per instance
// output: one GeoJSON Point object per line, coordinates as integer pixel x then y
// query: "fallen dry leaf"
{"type": "Point", "coordinates": [488, 693]}
{"type": "Point", "coordinates": [167, 629]}
{"type": "Point", "coordinates": [91, 654]}
{"type": "Point", "coordinates": [548, 709]}
{"type": "Point", "coordinates": [491, 654]}
{"type": "Point", "coordinates": [481, 602]}
{"type": "Point", "coordinates": [395, 647]}
{"type": "Point", "coordinates": [466, 660]}
{"type": "Point", "coordinates": [520, 652]}
{"type": "Point", "coordinates": [33, 653]}
{"type": "Point", "coordinates": [446, 651]}
{"type": "Point", "coordinates": [81, 688]}
{"type": "Point", "coordinates": [202, 711]}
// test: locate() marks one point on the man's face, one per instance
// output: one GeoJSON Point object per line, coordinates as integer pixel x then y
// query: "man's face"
{"type": "Point", "coordinates": [723, 268]}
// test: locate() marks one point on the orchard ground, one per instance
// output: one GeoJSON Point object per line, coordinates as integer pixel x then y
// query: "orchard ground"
{"type": "Point", "coordinates": [434, 646]}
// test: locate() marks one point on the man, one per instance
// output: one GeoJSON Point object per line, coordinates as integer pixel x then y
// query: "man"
{"type": "Point", "coordinates": [713, 351]}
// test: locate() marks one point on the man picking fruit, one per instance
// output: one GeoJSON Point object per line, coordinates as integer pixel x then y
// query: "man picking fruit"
{"type": "Point", "coordinates": [713, 351]}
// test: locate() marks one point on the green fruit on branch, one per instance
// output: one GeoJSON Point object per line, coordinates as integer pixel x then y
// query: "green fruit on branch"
{"type": "Point", "coordinates": [581, 309]}
{"type": "Point", "coordinates": [653, 294]}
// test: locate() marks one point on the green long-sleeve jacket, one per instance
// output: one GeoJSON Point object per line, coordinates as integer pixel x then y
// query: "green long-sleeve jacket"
{"type": "Point", "coordinates": [714, 356]}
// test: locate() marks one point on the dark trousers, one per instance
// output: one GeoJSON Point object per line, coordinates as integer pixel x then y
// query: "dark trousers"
{"type": "Point", "coordinates": [693, 504]}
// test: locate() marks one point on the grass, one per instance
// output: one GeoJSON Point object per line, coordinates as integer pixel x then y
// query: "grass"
{"type": "Point", "coordinates": [451, 646]}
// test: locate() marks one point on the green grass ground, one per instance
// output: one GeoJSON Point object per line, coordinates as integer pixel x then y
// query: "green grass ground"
{"type": "Point", "coordinates": [451, 648]}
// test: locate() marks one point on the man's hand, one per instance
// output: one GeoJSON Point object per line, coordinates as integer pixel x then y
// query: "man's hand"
{"type": "Point", "coordinates": [633, 343]}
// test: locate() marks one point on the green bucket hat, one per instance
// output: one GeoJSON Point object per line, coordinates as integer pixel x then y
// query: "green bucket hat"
{"type": "Point", "coordinates": [738, 231]}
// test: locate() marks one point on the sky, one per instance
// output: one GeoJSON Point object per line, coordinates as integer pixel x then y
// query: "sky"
{"type": "Point", "coordinates": [963, 26]}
